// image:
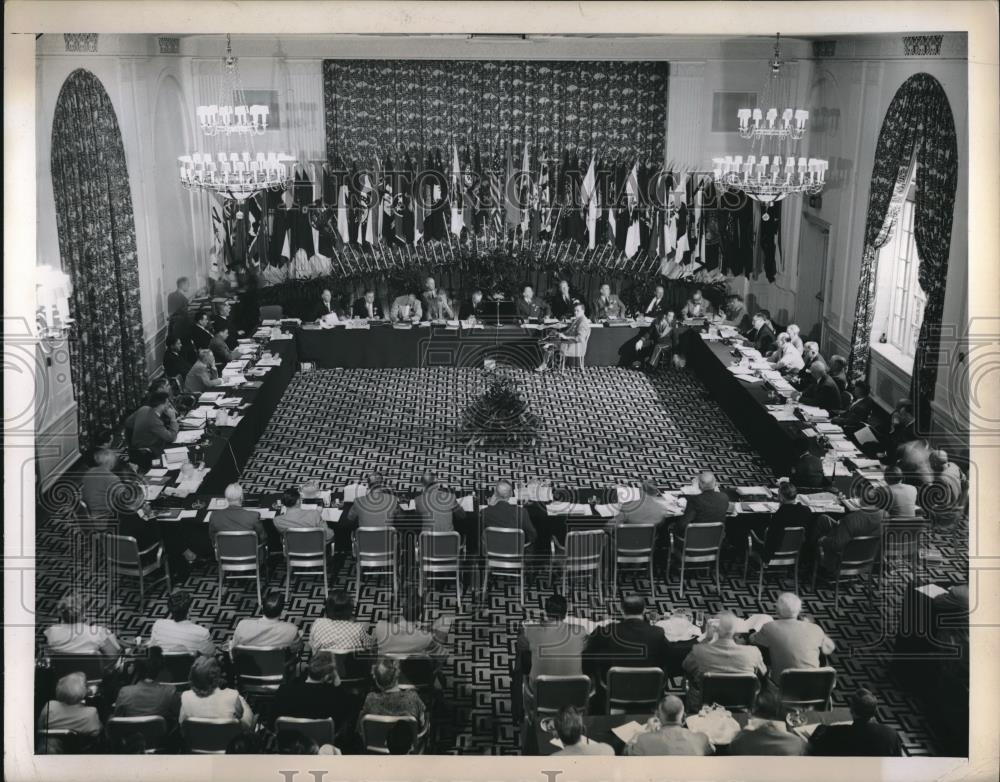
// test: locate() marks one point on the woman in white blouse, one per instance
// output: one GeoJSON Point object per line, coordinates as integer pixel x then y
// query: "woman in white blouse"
{"type": "Point", "coordinates": [71, 635]}
{"type": "Point", "coordinates": [206, 699]}
{"type": "Point", "coordinates": [786, 358]}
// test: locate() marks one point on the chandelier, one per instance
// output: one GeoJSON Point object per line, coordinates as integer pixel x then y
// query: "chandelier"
{"type": "Point", "coordinates": [771, 170]}
{"type": "Point", "coordinates": [228, 170]}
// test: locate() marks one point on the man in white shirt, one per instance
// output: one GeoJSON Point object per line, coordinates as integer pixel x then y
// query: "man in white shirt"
{"type": "Point", "coordinates": [178, 634]}
{"type": "Point", "coordinates": [657, 305]}
{"type": "Point", "coordinates": [268, 630]}
{"type": "Point", "coordinates": [903, 495]}
{"type": "Point", "coordinates": [295, 517]}
{"type": "Point", "coordinates": [790, 641]}
{"type": "Point", "coordinates": [570, 730]}
{"type": "Point", "coordinates": [406, 308]}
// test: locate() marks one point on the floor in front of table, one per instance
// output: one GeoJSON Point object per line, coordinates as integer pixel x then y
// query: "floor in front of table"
{"type": "Point", "coordinates": [599, 426]}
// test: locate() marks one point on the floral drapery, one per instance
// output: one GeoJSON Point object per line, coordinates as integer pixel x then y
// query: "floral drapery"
{"type": "Point", "coordinates": [96, 229]}
{"type": "Point", "coordinates": [919, 127]}
{"type": "Point", "coordinates": [376, 107]}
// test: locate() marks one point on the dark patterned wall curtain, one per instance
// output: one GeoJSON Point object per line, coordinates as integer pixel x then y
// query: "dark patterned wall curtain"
{"type": "Point", "coordinates": [919, 127]}
{"type": "Point", "coordinates": [96, 231]}
{"type": "Point", "coordinates": [374, 107]}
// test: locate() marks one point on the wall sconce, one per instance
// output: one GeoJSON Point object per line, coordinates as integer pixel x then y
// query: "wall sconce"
{"type": "Point", "coordinates": [52, 292]}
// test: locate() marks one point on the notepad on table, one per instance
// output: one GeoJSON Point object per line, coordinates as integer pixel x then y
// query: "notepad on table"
{"type": "Point", "coordinates": [217, 503]}
{"type": "Point", "coordinates": [570, 508]}
{"type": "Point", "coordinates": [152, 492]}
{"type": "Point", "coordinates": [760, 507]}
{"type": "Point", "coordinates": [331, 514]}
{"type": "Point", "coordinates": [210, 396]}
{"type": "Point", "coordinates": [628, 731]}
{"type": "Point", "coordinates": [187, 436]}
{"type": "Point", "coordinates": [605, 511]}
{"type": "Point", "coordinates": [156, 472]}
{"type": "Point", "coordinates": [751, 491]}
{"type": "Point", "coordinates": [466, 503]}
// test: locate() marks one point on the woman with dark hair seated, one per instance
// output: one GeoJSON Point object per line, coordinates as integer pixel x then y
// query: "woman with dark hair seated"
{"type": "Point", "coordinates": [208, 699]}
{"type": "Point", "coordinates": [147, 697]}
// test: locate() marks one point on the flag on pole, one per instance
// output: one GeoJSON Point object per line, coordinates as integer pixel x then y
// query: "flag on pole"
{"type": "Point", "coordinates": [456, 191]}
{"type": "Point", "coordinates": [470, 183]}
{"type": "Point", "coordinates": [589, 193]}
{"type": "Point", "coordinates": [496, 194]}
{"type": "Point", "coordinates": [632, 190]}
{"type": "Point", "coordinates": [544, 197]}
{"type": "Point", "coordinates": [524, 189]}
{"type": "Point", "coordinates": [367, 197]}
{"type": "Point", "coordinates": [510, 194]}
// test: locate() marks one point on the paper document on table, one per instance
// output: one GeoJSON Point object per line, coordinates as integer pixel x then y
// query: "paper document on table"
{"type": "Point", "coordinates": [331, 514]}
{"type": "Point", "coordinates": [689, 490]}
{"type": "Point", "coordinates": [821, 499]}
{"type": "Point", "coordinates": [533, 491]}
{"type": "Point", "coordinates": [210, 396]}
{"type": "Point", "coordinates": [843, 445]}
{"type": "Point", "coordinates": [752, 491]}
{"type": "Point", "coordinates": [188, 436]}
{"type": "Point", "coordinates": [152, 492]}
{"type": "Point", "coordinates": [175, 457]}
{"type": "Point", "coordinates": [932, 590]}
{"type": "Point", "coordinates": [864, 464]}
{"type": "Point", "coordinates": [217, 503]}
{"type": "Point", "coordinates": [627, 731]}
{"type": "Point", "coordinates": [280, 337]}
{"type": "Point", "coordinates": [783, 415]}
{"type": "Point", "coordinates": [156, 472]}
{"type": "Point", "coordinates": [865, 435]}
{"type": "Point", "coordinates": [814, 412]}
{"type": "Point", "coordinates": [827, 428]}
{"type": "Point", "coordinates": [605, 511]}
{"type": "Point", "coordinates": [570, 508]}
{"type": "Point", "coordinates": [466, 503]}
{"type": "Point", "coordinates": [354, 490]}
{"type": "Point", "coordinates": [759, 507]}
{"type": "Point", "coordinates": [534, 326]}
{"type": "Point", "coordinates": [269, 322]}
{"type": "Point", "coordinates": [189, 514]}
{"type": "Point", "coordinates": [835, 469]}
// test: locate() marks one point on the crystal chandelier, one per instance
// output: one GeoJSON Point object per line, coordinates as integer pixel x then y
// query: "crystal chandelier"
{"type": "Point", "coordinates": [227, 171]}
{"type": "Point", "coordinates": [771, 170]}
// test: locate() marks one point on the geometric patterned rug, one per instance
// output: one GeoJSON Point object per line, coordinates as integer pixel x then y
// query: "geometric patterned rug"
{"type": "Point", "coordinates": [600, 426]}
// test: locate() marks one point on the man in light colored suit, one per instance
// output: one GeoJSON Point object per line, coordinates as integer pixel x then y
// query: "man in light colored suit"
{"type": "Point", "coordinates": [651, 507]}
{"type": "Point", "coordinates": [571, 342]}
{"type": "Point", "coordinates": [607, 306]}
{"type": "Point", "coordinates": [406, 309]}
{"type": "Point", "coordinates": [440, 308]}
{"type": "Point", "coordinates": [378, 508]}
{"type": "Point", "coordinates": [437, 505]}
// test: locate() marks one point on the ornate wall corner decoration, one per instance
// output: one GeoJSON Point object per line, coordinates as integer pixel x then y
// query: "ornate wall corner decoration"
{"type": "Point", "coordinates": [824, 49]}
{"type": "Point", "coordinates": [169, 45]}
{"type": "Point", "coordinates": [80, 42]}
{"type": "Point", "coordinates": [922, 45]}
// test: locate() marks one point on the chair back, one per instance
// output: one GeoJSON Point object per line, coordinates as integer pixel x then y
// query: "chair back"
{"type": "Point", "coordinates": [585, 549]}
{"type": "Point", "coordinates": [439, 550]}
{"type": "Point", "coordinates": [703, 541]}
{"type": "Point", "coordinates": [552, 693]}
{"type": "Point", "coordinates": [811, 687]}
{"type": "Point", "coordinates": [260, 670]}
{"type": "Point", "coordinates": [271, 312]}
{"type": "Point", "coordinates": [93, 666]}
{"type": "Point", "coordinates": [177, 670]}
{"type": "Point", "coordinates": [353, 667]}
{"type": "Point", "coordinates": [634, 542]}
{"type": "Point", "coordinates": [375, 546]}
{"type": "Point", "coordinates": [375, 730]}
{"type": "Point", "coordinates": [305, 547]}
{"type": "Point", "coordinates": [791, 543]}
{"type": "Point", "coordinates": [153, 730]}
{"type": "Point", "coordinates": [633, 690]}
{"type": "Point", "coordinates": [503, 547]}
{"type": "Point", "coordinates": [732, 690]}
{"type": "Point", "coordinates": [859, 555]}
{"type": "Point", "coordinates": [903, 536]}
{"type": "Point", "coordinates": [320, 731]}
{"type": "Point", "coordinates": [123, 554]}
{"type": "Point", "coordinates": [416, 671]}
{"type": "Point", "coordinates": [209, 736]}
{"type": "Point", "coordinates": [237, 551]}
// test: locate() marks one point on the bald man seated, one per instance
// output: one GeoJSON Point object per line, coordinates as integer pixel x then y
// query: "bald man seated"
{"type": "Point", "coordinates": [665, 733]}
{"type": "Point", "coordinates": [709, 507]}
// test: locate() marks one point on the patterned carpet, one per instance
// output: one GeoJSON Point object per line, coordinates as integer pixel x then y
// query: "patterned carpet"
{"type": "Point", "coordinates": [600, 426]}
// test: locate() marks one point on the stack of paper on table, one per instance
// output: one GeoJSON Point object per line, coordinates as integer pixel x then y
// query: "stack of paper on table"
{"type": "Point", "coordinates": [749, 352]}
{"type": "Point", "coordinates": [193, 420]}
{"type": "Point", "coordinates": [843, 445]}
{"type": "Point", "coordinates": [864, 463]}
{"type": "Point", "coordinates": [268, 360]}
{"type": "Point", "coordinates": [268, 322]}
{"type": "Point", "coordinates": [782, 386]}
{"type": "Point", "coordinates": [228, 401]}
{"type": "Point", "coordinates": [689, 490]}
{"type": "Point", "coordinates": [533, 492]}
{"type": "Point", "coordinates": [188, 436]}
{"type": "Point", "coordinates": [291, 321]}
{"type": "Point", "coordinates": [217, 503]}
{"type": "Point", "coordinates": [233, 381]}
{"type": "Point", "coordinates": [570, 508]}
{"type": "Point", "coordinates": [628, 731]}
{"type": "Point", "coordinates": [331, 514]}
{"type": "Point", "coordinates": [467, 324]}
{"type": "Point", "coordinates": [264, 513]}
{"type": "Point", "coordinates": [354, 490]}
{"type": "Point", "coordinates": [605, 511]}
{"type": "Point", "coordinates": [174, 457]}
{"type": "Point", "coordinates": [210, 396]}
{"type": "Point", "coordinates": [466, 503]}
{"type": "Point", "coordinates": [157, 472]}
{"type": "Point", "coordinates": [280, 337]}
{"type": "Point", "coordinates": [759, 507]}
{"type": "Point", "coordinates": [451, 325]}
{"type": "Point", "coordinates": [783, 414]}
{"type": "Point", "coordinates": [814, 412]}
{"type": "Point", "coordinates": [403, 326]}
{"type": "Point", "coordinates": [827, 428]}
{"type": "Point", "coordinates": [752, 491]}
{"type": "Point", "coordinates": [835, 469]}
{"type": "Point", "coordinates": [227, 419]}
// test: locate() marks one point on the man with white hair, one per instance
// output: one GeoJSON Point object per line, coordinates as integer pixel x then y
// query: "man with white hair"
{"type": "Point", "coordinates": [719, 653]}
{"type": "Point", "coordinates": [823, 391]}
{"type": "Point", "coordinates": [710, 506]}
{"type": "Point", "coordinates": [810, 353]}
{"type": "Point", "coordinates": [794, 333]}
{"type": "Point", "coordinates": [792, 642]}
{"type": "Point", "coordinates": [236, 518]}
{"type": "Point", "coordinates": [667, 735]}
{"type": "Point", "coordinates": [202, 376]}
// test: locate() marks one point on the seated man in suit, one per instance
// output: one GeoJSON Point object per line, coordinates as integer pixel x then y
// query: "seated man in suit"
{"type": "Point", "coordinates": [175, 364]}
{"type": "Point", "coordinates": [696, 307]}
{"type": "Point", "coordinates": [823, 391]}
{"type": "Point", "coordinates": [530, 308]}
{"type": "Point", "coordinates": [736, 314]}
{"type": "Point", "coordinates": [864, 737]}
{"type": "Point", "coordinates": [807, 471]}
{"type": "Point", "coordinates": [766, 733]}
{"type": "Point", "coordinates": [235, 518]}
{"type": "Point", "coordinates": [295, 516]}
{"type": "Point", "coordinates": [790, 513]}
{"type": "Point", "coordinates": [406, 309]}
{"type": "Point", "coordinates": [552, 647]}
{"type": "Point", "coordinates": [859, 411]}
{"type": "Point", "coordinates": [203, 376]}
{"type": "Point", "coordinates": [571, 342]}
{"type": "Point", "coordinates": [833, 537]}
{"type": "Point", "coordinates": [657, 305]}
{"type": "Point", "coordinates": [838, 372]}
{"type": "Point", "coordinates": [326, 308]}
{"type": "Point", "coordinates": [201, 334]}
{"type": "Point", "coordinates": [500, 512]}
{"type": "Point", "coordinates": [437, 505]}
{"type": "Point", "coordinates": [220, 348]}
{"type": "Point", "coordinates": [563, 303]}
{"type": "Point", "coordinates": [269, 629]}
{"type": "Point", "coordinates": [429, 293]}
{"type": "Point", "coordinates": [761, 336]}
{"type": "Point", "coordinates": [794, 334]}
{"type": "Point", "coordinates": [719, 653]}
{"type": "Point", "coordinates": [708, 507]}
{"type": "Point", "coordinates": [630, 642]}
{"type": "Point", "coordinates": [177, 301]}
{"type": "Point", "coordinates": [100, 487]}
{"type": "Point", "coordinates": [792, 642]}
{"type": "Point", "coordinates": [904, 495]}
{"type": "Point", "coordinates": [473, 307]}
{"type": "Point", "coordinates": [224, 317]}
{"type": "Point", "coordinates": [666, 734]}
{"type": "Point", "coordinates": [135, 519]}
{"type": "Point", "coordinates": [153, 426]}
{"type": "Point", "coordinates": [378, 508]}
{"type": "Point", "coordinates": [651, 507]}
{"type": "Point", "coordinates": [659, 340]}
{"type": "Point", "coordinates": [810, 353]}
{"type": "Point", "coordinates": [367, 307]}
{"type": "Point", "coordinates": [607, 305]}
{"type": "Point", "coordinates": [440, 308]}
{"type": "Point", "coordinates": [943, 497]}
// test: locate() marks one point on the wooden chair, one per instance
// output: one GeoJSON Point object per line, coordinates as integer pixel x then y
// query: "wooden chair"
{"type": "Point", "coordinates": [808, 687]}
{"type": "Point", "coordinates": [702, 543]}
{"type": "Point", "coordinates": [205, 736]}
{"type": "Point", "coordinates": [552, 693]}
{"type": "Point", "coordinates": [734, 691]}
{"type": "Point", "coordinates": [375, 552]}
{"type": "Point", "coordinates": [260, 670]}
{"type": "Point", "coordinates": [583, 555]}
{"type": "Point", "coordinates": [503, 554]}
{"type": "Point", "coordinates": [633, 545]}
{"type": "Point", "coordinates": [320, 731]}
{"type": "Point", "coordinates": [439, 556]}
{"type": "Point", "coordinates": [125, 559]}
{"type": "Point", "coordinates": [858, 558]}
{"type": "Point", "coordinates": [153, 730]}
{"type": "Point", "coordinates": [239, 557]}
{"type": "Point", "coordinates": [633, 690]}
{"type": "Point", "coordinates": [305, 552]}
{"type": "Point", "coordinates": [787, 554]}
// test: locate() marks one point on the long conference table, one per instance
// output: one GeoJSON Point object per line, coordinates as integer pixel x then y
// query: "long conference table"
{"type": "Point", "coordinates": [382, 346]}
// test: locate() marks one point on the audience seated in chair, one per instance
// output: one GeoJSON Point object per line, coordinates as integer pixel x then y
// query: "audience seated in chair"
{"type": "Point", "coordinates": [864, 522]}
{"type": "Point", "coordinates": [903, 495]}
{"type": "Point", "coordinates": [235, 518]}
{"type": "Point", "coordinates": [437, 506]}
{"type": "Point", "coordinates": [864, 737]}
{"type": "Point", "coordinates": [943, 497]}
{"type": "Point", "coordinates": [147, 697]}
{"type": "Point", "coordinates": [178, 634]}
{"type": "Point", "coordinates": [70, 712]}
{"type": "Point", "coordinates": [296, 517]}
{"type": "Point", "coordinates": [572, 733]}
{"type": "Point", "coordinates": [268, 630]}
{"type": "Point", "coordinates": [552, 647]}
{"type": "Point", "coordinates": [719, 653]}
{"type": "Point", "coordinates": [390, 700]}
{"type": "Point", "coordinates": [710, 506]}
{"type": "Point", "coordinates": [337, 630]}
{"type": "Point", "coordinates": [650, 507]}
{"type": "Point", "coordinates": [665, 733]}
{"type": "Point", "coordinates": [408, 635]}
{"type": "Point", "coordinates": [101, 487]}
{"type": "Point", "coordinates": [823, 391]}
{"type": "Point", "coordinates": [859, 412]}
{"type": "Point", "coordinates": [135, 518]}
{"type": "Point", "coordinates": [378, 508]}
{"type": "Point", "coordinates": [71, 635]}
{"type": "Point", "coordinates": [792, 642]}
{"type": "Point", "coordinates": [500, 512]}
{"type": "Point", "coordinates": [207, 699]}
{"type": "Point", "coordinates": [807, 472]}
{"type": "Point", "coordinates": [319, 695]}
{"type": "Point", "coordinates": [153, 426]}
{"type": "Point", "coordinates": [202, 376]}
{"type": "Point", "coordinates": [766, 733]}
{"type": "Point", "coordinates": [175, 363]}
{"type": "Point", "coordinates": [631, 641]}
{"type": "Point", "coordinates": [790, 513]}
